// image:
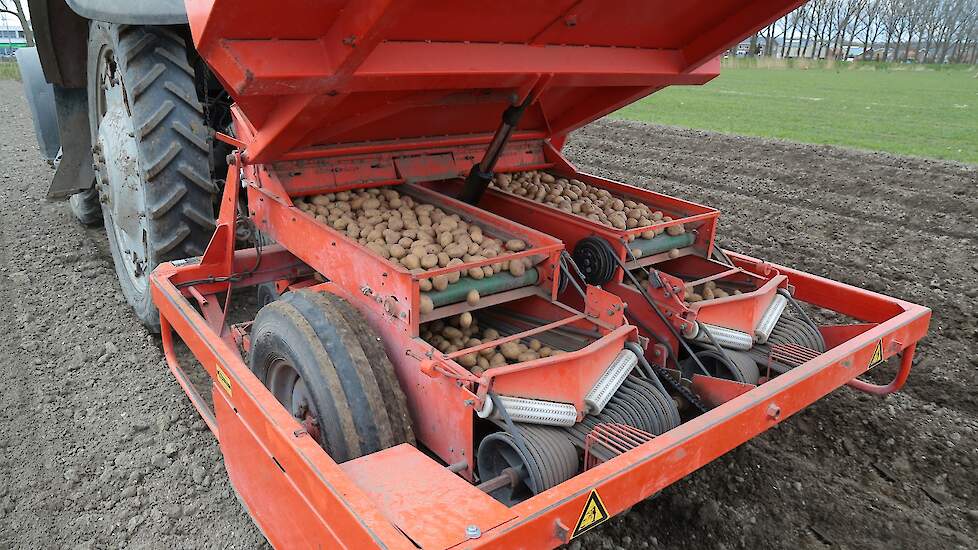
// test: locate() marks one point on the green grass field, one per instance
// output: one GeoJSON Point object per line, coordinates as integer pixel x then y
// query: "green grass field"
{"type": "Point", "coordinates": [9, 70]}
{"type": "Point", "coordinates": [906, 110]}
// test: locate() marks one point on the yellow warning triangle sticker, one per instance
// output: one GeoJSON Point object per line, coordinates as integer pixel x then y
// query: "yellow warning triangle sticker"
{"type": "Point", "coordinates": [593, 514]}
{"type": "Point", "coordinates": [877, 355]}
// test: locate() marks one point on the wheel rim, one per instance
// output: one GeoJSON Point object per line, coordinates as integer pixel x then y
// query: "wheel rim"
{"type": "Point", "coordinates": [120, 186]}
{"type": "Point", "coordinates": [284, 382]}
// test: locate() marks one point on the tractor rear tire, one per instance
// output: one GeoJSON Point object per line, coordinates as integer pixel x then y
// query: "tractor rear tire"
{"type": "Point", "coordinates": [309, 357]}
{"type": "Point", "coordinates": [151, 151]}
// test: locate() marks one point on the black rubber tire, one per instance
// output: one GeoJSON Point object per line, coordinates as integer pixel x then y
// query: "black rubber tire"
{"type": "Point", "coordinates": [267, 293]}
{"type": "Point", "coordinates": [373, 348]}
{"type": "Point", "coordinates": [86, 208]}
{"type": "Point", "coordinates": [307, 331]}
{"type": "Point", "coordinates": [173, 148]}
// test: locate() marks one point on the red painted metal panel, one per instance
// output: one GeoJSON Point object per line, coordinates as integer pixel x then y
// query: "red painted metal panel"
{"type": "Point", "coordinates": [424, 499]}
{"type": "Point", "coordinates": [311, 73]}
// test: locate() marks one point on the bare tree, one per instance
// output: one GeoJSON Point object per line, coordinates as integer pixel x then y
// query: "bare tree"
{"type": "Point", "coordinates": [16, 8]}
{"type": "Point", "coordinates": [929, 31]}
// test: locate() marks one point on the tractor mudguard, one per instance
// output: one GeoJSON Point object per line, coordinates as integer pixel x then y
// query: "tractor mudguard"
{"type": "Point", "coordinates": [75, 171]}
{"type": "Point", "coordinates": [40, 99]}
{"type": "Point", "coordinates": [132, 12]}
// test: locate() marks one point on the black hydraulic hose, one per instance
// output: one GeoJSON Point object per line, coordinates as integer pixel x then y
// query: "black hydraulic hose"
{"type": "Point", "coordinates": [658, 312]}
{"type": "Point", "coordinates": [663, 375]}
{"type": "Point", "coordinates": [794, 303]}
{"type": "Point", "coordinates": [646, 367]}
{"type": "Point", "coordinates": [565, 271]}
{"type": "Point", "coordinates": [709, 336]}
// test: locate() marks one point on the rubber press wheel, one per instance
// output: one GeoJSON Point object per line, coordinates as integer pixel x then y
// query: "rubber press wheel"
{"type": "Point", "coordinates": [151, 153]}
{"type": "Point", "coordinates": [543, 458]}
{"type": "Point", "coordinates": [309, 354]}
{"type": "Point", "coordinates": [729, 365]}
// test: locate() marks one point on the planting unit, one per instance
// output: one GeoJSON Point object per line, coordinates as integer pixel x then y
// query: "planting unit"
{"type": "Point", "coordinates": [480, 393]}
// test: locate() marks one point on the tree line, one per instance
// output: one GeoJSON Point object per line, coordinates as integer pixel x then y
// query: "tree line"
{"type": "Point", "coordinates": [921, 31]}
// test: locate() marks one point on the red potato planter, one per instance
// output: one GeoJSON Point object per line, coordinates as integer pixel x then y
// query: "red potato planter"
{"type": "Point", "coordinates": [363, 408]}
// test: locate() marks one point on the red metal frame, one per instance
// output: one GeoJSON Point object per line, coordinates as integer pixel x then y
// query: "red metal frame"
{"type": "Point", "coordinates": [275, 466]}
{"type": "Point", "coordinates": [376, 92]}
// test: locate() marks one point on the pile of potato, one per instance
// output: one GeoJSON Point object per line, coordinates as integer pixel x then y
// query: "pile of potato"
{"type": "Point", "coordinates": [706, 291]}
{"type": "Point", "coordinates": [418, 236]}
{"type": "Point", "coordinates": [462, 332]}
{"type": "Point", "coordinates": [577, 197]}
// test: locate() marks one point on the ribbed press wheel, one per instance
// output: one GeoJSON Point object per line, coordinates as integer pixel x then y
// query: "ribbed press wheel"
{"type": "Point", "coordinates": [729, 365]}
{"type": "Point", "coordinates": [549, 460]}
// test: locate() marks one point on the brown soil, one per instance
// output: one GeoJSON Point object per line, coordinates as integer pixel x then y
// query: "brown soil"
{"type": "Point", "coordinates": [99, 448]}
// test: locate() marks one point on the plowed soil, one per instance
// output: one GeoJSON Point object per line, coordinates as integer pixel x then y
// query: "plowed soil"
{"type": "Point", "coordinates": [99, 447]}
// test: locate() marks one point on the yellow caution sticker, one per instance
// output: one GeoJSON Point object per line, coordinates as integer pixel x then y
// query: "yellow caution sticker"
{"type": "Point", "coordinates": [593, 514]}
{"type": "Point", "coordinates": [877, 355]}
{"type": "Point", "coordinates": [223, 381]}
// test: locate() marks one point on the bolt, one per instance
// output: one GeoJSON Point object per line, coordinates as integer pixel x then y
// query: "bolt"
{"type": "Point", "coordinates": [473, 532]}
{"type": "Point", "coordinates": [773, 411]}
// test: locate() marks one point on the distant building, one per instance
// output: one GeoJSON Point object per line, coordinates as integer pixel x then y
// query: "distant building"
{"type": "Point", "coordinates": [11, 36]}
{"type": "Point", "coordinates": [743, 49]}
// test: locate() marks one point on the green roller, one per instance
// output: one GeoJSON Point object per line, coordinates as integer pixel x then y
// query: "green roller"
{"type": "Point", "coordinates": [499, 282]}
{"type": "Point", "coordinates": [662, 243]}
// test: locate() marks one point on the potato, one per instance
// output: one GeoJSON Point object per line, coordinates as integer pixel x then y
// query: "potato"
{"type": "Point", "coordinates": [648, 234]}
{"type": "Point", "coordinates": [379, 249]}
{"type": "Point", "coordinates": [396, 251]}
{"type": "Point", "coordinates": [693, 298]}
{"type": "Point", "coordinates": [425, 285]}
{"type": "Point", "coordinates": [527, 356]}
{"type": "Point", "coordinates": [465, 319]}
{"type": "Point", "coordinates": [483, 363]}
{"type": "Point", "coordinates": [545, 351]}
{"type": "Point", "coordinates": [510, 350]}
{"type": "Point", "coordinates": [497, 360]}
{"type": "Point", "coordinates": [429, 261]}
{"type": "Point", "coordinates": [451, 333]}
{"type": "Point", "coordinates": [476, 273]}
{"type": "Point", "coordinates": [427, 306]}
{"type": "Point", "coordinates": [411, 261]}
{"type": "Point", "coordinates": [517, 269]}
{"type": "Point", "coordinates": [468, 360]}
{"type": "Point", "coordinates": [472, 298]}
{"type": "Point", "coordinates": [674, 253]}
{"type": "Point", "coordinates": [515, 245]}
{"type": "Point", "coordinates": [440, 282]}
{"type": "Point", "coordinates": [490, 334]}
{"type": "Point", "coordinates": [535, 344]}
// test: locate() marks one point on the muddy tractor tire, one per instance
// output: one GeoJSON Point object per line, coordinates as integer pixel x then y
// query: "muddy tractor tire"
{"type": "Point", "coordinates": [151, 150]}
